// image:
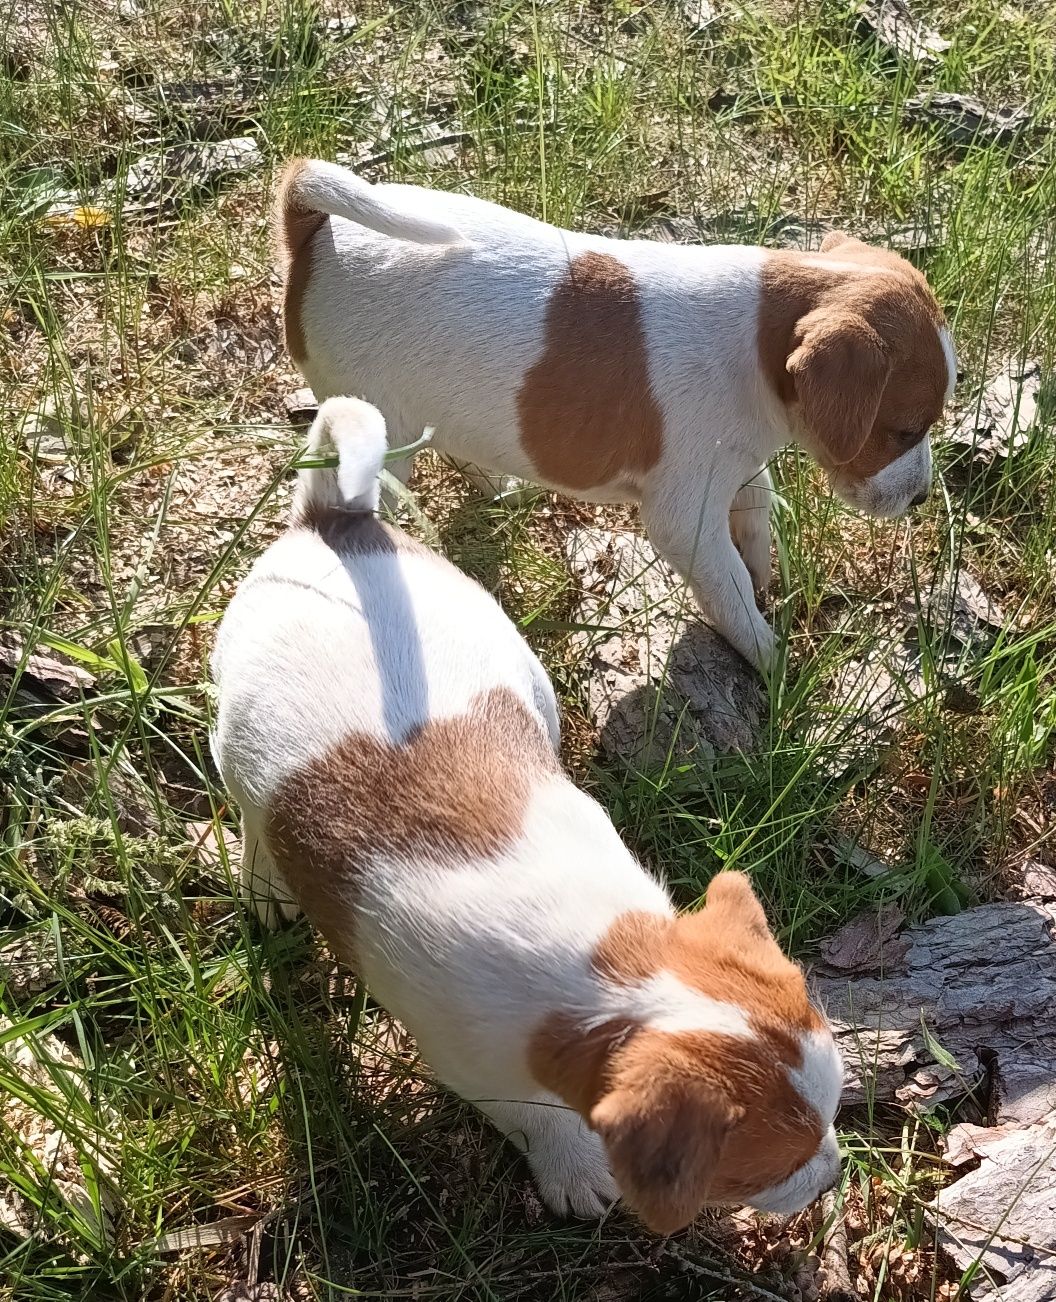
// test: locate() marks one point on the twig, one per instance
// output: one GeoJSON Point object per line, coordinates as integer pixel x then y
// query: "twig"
{"type": "Point", "coordinates": [416, 147]}
{"type": "Point", "coordinates": [838, 1285]}
{"type": "Point", "coordinates": [711, 1270]}
{"type": "Point", "coordinates": [399, 149]}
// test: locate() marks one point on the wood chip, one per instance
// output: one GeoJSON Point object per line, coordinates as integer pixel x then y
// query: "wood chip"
{"type": "Point", "coordinates": [43, 678]}
{"type": "Point", "coordinates": [997, 420]}
{"type": "Point", "coordinates": [967, 121]}
{"type": "Point", "coordinates": [301, 406]}
{"type": "Point", "coordinates": [891, 25]}
{"type": "Point", "coordinates": [657, 677]}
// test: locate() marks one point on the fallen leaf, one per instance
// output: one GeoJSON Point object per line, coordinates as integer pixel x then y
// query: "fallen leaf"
{"type": "Point", "coordinates": [85, 216]}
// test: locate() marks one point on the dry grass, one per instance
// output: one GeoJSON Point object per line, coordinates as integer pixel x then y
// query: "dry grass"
{"type": "Point", "coordinates": [238, 1082]}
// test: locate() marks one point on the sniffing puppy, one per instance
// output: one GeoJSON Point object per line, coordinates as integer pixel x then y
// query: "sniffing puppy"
{"type": "Point", "coordinates": [392, 742]}
{"type": "Point", "coordinates": [621, 370]}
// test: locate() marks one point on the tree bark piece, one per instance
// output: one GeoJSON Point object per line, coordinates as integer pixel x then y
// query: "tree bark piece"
{"type": "Point", "coordinates": [996, 422]}
{"type": "Point", "coordinates": [1003, 1215]}
{"type": "Point", "coordinates": [978, 990]}
{"type": "Point", "coordinates": [659, 680]}
{"type": "Point", "coordinates": [967, 121]}
{"type": "Point", "coordinates": [892, 26]}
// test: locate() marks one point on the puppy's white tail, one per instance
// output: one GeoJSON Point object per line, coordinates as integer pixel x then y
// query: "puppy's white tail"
{"type": "Point", "coordinates": [309, 186]}
{"type": "Point", "coordinates": [356, 432]}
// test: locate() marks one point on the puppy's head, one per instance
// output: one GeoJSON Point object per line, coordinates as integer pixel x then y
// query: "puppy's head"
{"type": "Point", "coordinates": [865, 364]}
{"type": "Point", "coordinates": [722, 1084]}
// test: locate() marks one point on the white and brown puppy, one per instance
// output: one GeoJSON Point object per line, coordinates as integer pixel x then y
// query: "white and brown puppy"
{"type": "Point", "coordinates": [621, 370]}
{"type": "Point", "coordinates": [392, 742]}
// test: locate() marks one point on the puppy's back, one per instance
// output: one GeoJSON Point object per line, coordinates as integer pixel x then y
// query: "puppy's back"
{"type": "Point", "coordinates": [346, 627]}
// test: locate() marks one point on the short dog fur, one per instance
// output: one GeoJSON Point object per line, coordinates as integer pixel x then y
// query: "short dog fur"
{"type": "Point", "coordinates": [621, 370]}
{"type": "Point", "coordinates": [392, 742]}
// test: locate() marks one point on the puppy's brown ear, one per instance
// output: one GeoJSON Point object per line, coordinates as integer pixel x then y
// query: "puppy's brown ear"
{"type": "Point", "coordinates": [664, 1142]}
{"type": "Point", "coordinates": [731, 900]}
{"type": "Point", "coordinates": [839, 369]}
{"type": "Point", "coordinates": [833, 240]}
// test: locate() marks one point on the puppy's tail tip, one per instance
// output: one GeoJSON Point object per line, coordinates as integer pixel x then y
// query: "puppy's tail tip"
{"type": "Point", "coordinates": [356, 432]}
{"type": "Point", "coordinates": [312, 186]}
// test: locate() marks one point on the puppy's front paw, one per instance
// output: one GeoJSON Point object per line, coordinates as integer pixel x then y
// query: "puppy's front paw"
{"type": "Point", "coordinates": [572, 1174]}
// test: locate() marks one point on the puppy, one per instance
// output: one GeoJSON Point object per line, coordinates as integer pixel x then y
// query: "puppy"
{"type": "Point", "coordinates": [392, 743]}
{"type": "Point", "coordinates": [619, 370]}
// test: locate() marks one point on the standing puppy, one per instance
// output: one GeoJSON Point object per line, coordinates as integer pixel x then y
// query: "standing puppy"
{"type": "Point", "coordinates": [392, 742]}
{"type": "Point", "coordinates": [621, 370]}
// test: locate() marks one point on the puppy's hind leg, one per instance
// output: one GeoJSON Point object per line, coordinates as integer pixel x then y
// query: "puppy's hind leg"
{"type": "Point", "coordinates": [750, 527]}
{"type": "Point", "coordinates": [261, 884]}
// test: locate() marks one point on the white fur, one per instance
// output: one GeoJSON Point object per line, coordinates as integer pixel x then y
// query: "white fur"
{"type": "Point", "coordinates": [805, 1184]}
{"type": "Point", "coordinates": [356, 431]}
{"type": "Point", "coordinates": [664, 1003]}
{"type": "Point", "coordinates": [951, 361]}
{"type": "Point", "coordinates": [326, 187]}
{"type": "Point", "coordinates": [441, 335]}
{"type": "Point", "coordinates": [318, 644]}
{"type": "Point", "coordinates": [891, 491]}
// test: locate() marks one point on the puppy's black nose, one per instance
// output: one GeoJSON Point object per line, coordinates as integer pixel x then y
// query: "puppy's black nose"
{"type": "Point", "coordinates": [919, 500]}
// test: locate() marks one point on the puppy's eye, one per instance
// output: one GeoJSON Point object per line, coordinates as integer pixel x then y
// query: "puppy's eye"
{"type": "Point", "coordinates": [908, 437]}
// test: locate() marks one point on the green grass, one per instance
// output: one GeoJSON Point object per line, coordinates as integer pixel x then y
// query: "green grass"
{"type": "Point", "coordinates": [198, 1071]}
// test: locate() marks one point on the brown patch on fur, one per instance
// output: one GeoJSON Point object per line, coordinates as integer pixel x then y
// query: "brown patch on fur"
{"type": "Point", "coordinates": [294, 227]}
{"type": "Point", "coordinates": [859, 351]}
{"type": "Point", "coordinates": [632, 948]}
{"type": "Point", "coordinates": [587, 413]}
{"type": "Point", "coordinates": [695, 1117]}
{"type": "Point", "coordinates": [355, 532]}
{"type": "Point", "coordinates": [724, 950]}
{"type": "Point", "coordinates": [573, 1063]}
{"type": "Point", "coordinates": [454, 789]}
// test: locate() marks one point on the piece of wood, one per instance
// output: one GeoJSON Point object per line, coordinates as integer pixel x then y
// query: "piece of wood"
{"type": "Point", "coordinates": [977, 990]}
{"type": "Point", "coordinates": [866, 941]}
{"type": "Point", "coordinates": [967, 121]}
{"type": "Point", "coordinates": [838, 1286]}
{"type": "Point", "coordinates": [1003, 1215]}
{"type": "Point", "coordinates": [997, 420]}
{"type": "Point", "coordinates": [893, 27]}
{"type": "Point", "coordinates": [42, 680]}
{"type": "Point", "coordinates": [659, 680]}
